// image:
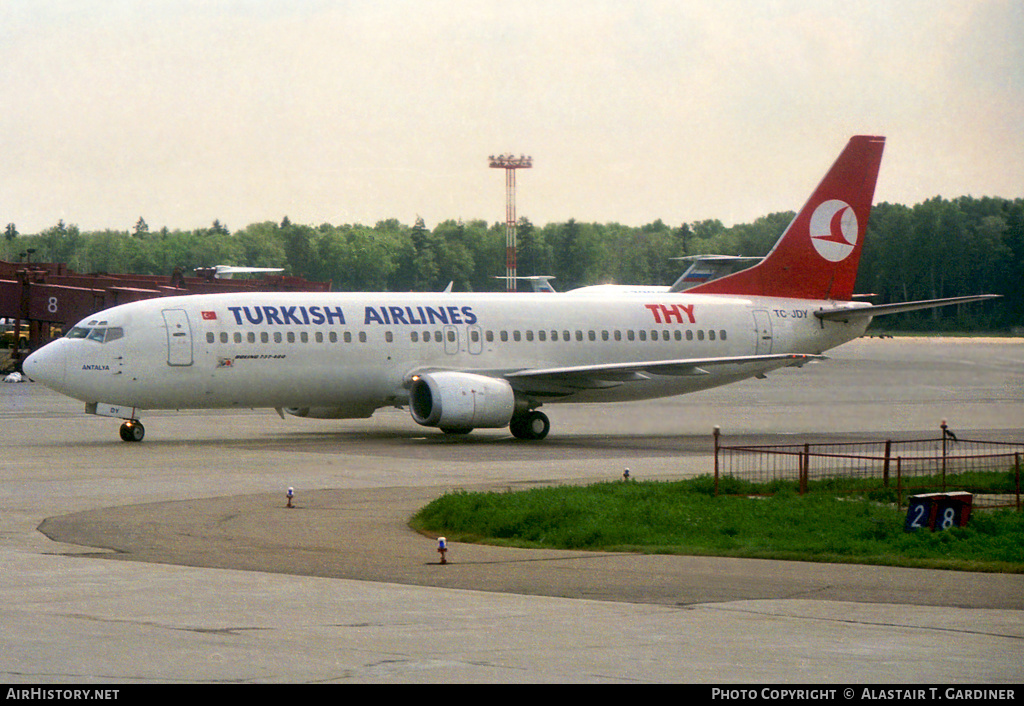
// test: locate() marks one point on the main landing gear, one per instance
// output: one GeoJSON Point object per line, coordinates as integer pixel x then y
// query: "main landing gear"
{"type": "Point", "coordinates": [532, 425]}
{"type": "Point", "coordinates": [132, 430]}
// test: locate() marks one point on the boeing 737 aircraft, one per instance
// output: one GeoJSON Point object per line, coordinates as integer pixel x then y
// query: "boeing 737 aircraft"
{"type": "Point", "coordinates": [465, 361]}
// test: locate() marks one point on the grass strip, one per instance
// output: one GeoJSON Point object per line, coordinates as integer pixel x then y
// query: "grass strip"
{"type": "Point", "coordinates": [685, 517]}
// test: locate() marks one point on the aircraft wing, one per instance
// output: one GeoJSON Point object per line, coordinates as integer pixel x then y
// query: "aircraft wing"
{"type": "Point", "coordinates": [559, 382]}
{"type": "Point", "coordinates": [841, 313]}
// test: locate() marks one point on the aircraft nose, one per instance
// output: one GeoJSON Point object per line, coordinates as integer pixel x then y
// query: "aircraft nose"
{"type": "Point", "coordinates": [46, 365]}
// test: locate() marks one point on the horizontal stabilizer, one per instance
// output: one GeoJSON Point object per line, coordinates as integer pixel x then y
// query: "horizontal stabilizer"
{"type": "Point", "coordinates": [859, 312]}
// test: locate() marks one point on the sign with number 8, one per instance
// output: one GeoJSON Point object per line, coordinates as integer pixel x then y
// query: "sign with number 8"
{"type": "Point", "coordinates": [938, 511]}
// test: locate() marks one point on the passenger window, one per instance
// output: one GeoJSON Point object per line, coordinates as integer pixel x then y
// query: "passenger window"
{"type": "Point", "coordinates": [516, 336]}
{"type": "Point", "coordinates": [579, 335]}
{"type": "Point", "coordinates": [721, 334]}
{"type": "Point", "coordinates": [223, 336]}
{"type": "Point", "coordinates": [209, 337]}
{"type": "Point", "coordinates": [591, 335]}
{"type": "Point", "coordinates": [362, 336]}
{"type": "Point", "coordinates": [504, 336]}
{"type": "Point", "coordinates": [490, 336]}
{"type": "Point", "coordinates": [529, 335]}
{"type": "Point", "coordinates": [689, 334]}
{"type": "Point", "coordinates": [347, 337]}
{"type": "Point", "coordinates": [630, 335]}
{"type": "Point", "coordinates": [238, 336]}
{"type": "Point", "coordinates": [251, 337]}
{"type": "Point", "coordinates": [264, 337]}
{"type": "Point", "coordinates": [542, 336]}
{"type": "Point", "coordinates": [414, 336]}
{"type": "Point", "coordinates": [643, 335]}
{"type": "Point", "coordinates": [388, 337]}
{"type": "Point", "coordinates": [474, 336]}
{"type": "Point", "coordinates": [700, 335]}
{"type": "Point", "coordinates": [277, 336]}
{"type": "Point", "coordinates": [711, 335]}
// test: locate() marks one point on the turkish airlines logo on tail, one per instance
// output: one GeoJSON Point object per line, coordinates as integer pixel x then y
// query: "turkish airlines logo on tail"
{"type": "Point", "coordinates": [834, 230]}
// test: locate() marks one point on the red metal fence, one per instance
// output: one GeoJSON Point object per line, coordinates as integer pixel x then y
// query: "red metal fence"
{"type": "Point", "coordinates": [903, 466]}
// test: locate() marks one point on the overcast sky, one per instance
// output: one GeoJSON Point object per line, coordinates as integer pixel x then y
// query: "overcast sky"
{"type": "Point", "coordinates": [183, 111]}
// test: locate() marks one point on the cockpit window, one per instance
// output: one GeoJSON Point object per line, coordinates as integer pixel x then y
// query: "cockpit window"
{"type": "Point", "coordinates": [100, 334]}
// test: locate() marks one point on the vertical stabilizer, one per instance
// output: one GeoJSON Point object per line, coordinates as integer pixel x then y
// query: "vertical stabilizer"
{"type": "Point", "coordinates": [817, 256]}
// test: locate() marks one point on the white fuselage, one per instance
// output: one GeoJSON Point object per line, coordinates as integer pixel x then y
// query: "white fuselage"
{"type": "Point", "coordinates": [467, 361]}
{"type": "Point", "coordinates": [355, 352]}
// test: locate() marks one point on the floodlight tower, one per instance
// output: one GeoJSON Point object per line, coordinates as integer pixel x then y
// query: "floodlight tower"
{"type": "Point", "coordinates": [510, 163]}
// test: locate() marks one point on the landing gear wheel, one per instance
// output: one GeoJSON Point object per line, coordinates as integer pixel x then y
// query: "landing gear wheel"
{"type": "Point", "coordinates": [132, 431]}
{"type": "Point", "coordinates": [532, 426]}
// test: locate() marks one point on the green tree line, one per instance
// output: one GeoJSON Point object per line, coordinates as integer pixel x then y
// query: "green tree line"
{"type": "Point", "coordinates": [938, 248]}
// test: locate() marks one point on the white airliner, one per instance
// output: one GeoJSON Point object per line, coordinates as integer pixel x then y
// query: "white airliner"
{"type": "Point", "coordinates": [229, 271]}
{"type": "Point", "coordinates": [702, 268]}
{"type": "Point", "coordinates": [465, 361]}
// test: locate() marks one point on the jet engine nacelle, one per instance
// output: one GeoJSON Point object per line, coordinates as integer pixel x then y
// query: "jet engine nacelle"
{"type": "Point", "coordinates": [461, 401]}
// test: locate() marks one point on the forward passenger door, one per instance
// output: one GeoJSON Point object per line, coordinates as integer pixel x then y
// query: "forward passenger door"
{"type": "Point", "coordinates": [179, 337]}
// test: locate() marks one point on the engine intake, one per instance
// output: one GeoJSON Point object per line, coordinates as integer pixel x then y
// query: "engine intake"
{"type": "Point", "coordinates": [461, 401]}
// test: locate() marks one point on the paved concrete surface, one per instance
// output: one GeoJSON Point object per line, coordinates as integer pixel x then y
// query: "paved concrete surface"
{"type": "Point", "coordinates": [175, 560]}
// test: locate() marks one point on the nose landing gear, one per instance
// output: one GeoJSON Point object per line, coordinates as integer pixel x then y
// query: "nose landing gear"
{"type": "Point", "coordinates": [132, 430]}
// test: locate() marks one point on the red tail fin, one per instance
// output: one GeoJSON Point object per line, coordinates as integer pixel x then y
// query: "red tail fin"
{"type": "Point", "coordinates": [817, 256]}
